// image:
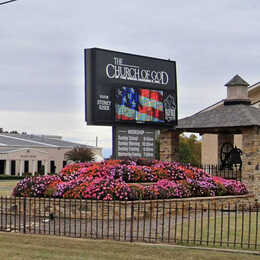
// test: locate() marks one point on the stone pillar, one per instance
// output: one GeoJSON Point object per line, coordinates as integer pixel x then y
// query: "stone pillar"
{"type": "Point", "coordinates": [21, 167]}
{"type": "Point", "coordinates": [45, 167]}
{"type": "Point", "coordinates": [7, 167]}
{"type": "Point", "coordinates": [251, 160]}
{"type": "Point", "coordinates": [33, 167]}
{"type": "Point", "coordinates": [169, 145]}
{"type": "Point", "coordinates": [16, 168]}
{"type": "Point", "coordinates": [224, 138]}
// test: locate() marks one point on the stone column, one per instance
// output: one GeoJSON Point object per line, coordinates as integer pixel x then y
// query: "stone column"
{"type": "Point", "coordinates": [7, 167]}
{"type": "Point", "coordinates": [21, 167]}
{"type": "Point", "coordinates": [16, 168]}
{"type": "Point", "coordinates": [45, 167]}
{"type": "Point", "coordinates": [169, 145]}
{"type": "Point", "coordinates": [33, 167]}
{"type": "Point", "coordinates": [224, 138]}
{"type": "Point", "coordinates": [251, 160]}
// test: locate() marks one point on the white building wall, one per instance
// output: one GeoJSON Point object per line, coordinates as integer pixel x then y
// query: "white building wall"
{"type": "Point", "coordinates": [33, 155]}
{"type": "Point", "coordinates": [209, 149]}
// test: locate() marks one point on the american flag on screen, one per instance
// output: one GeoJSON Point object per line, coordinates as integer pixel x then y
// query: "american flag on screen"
{"type": "Point", "coordinates": [139, 105]}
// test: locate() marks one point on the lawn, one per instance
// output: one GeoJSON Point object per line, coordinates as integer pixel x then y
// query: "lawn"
{"type": "Point", "coordinates": [18, 246]}
{"type": "Point", "coordinates": [7, 186]}
{"type": "Point", "coordinates": [233, 230]}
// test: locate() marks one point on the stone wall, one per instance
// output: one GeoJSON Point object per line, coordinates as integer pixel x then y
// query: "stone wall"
{"type": "Point", "coordinates": [62, 208]}
{"type": "Point", "coordinates": [251, 160]}
{"type": "Point", "coordinates": [169, 145]}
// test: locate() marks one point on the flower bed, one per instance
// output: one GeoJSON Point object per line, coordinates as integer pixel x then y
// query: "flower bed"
{"type": "Point", "coordinates": [122, 180]}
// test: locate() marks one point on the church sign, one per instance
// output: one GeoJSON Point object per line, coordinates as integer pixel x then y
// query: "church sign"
{"type": "Point", "coordinates": [127, 89]}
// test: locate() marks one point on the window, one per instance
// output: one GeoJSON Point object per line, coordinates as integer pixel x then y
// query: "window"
{"type": "Point", "coordinates": [13, 167]}
{"type": "Point", "coordinates": [53, 167]}
{"type": "Point", "coordinates": [26, 166]}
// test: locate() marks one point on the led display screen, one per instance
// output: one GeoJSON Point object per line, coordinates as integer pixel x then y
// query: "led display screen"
{"type": "Point", "coordinates": [144, 105]}
{"type": "Point", "coordinates": [147, 89]}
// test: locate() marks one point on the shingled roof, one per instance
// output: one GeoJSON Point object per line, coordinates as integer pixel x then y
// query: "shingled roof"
{"type": "Point", "coordinates": [224, 118]}
{"type": "Point", "coordinates": [237, 81]}
{"type": "Point", "coordinates": [24, 140]}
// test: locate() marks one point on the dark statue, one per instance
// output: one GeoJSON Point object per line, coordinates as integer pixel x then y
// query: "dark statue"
{"type": "Point", "coordinates": [230, 156]}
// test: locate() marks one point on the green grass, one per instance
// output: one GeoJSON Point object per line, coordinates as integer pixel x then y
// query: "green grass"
{"type": "Point", "coordinates": [18, 247]}
{"type": "Point", "coordinates": [6, 187]}
{"type": "Point", "coordinates": [234, 230]}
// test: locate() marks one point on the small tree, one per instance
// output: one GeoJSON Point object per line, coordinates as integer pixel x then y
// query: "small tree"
{"type": "Point", "coordinates": [80, 154]}
{"type": "Point", "coordinates": [190, 150]}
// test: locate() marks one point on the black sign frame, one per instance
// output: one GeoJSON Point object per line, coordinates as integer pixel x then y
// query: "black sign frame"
{"type": "Point", "coordinates": [102, 77]}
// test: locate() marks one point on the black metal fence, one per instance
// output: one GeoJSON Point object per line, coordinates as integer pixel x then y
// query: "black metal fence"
{"type": "Point", "coordinates": [233, 173]}
{"type": "Point", "coordinates": [188, 223]}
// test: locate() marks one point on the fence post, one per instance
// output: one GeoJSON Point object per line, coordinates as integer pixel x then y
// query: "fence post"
{"type": "Point", "coordinates": [132, 221]}
{"type": "Point", "coordinates": [24, 215]}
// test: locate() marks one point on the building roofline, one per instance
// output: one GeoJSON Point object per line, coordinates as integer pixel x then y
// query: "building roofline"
{"type": "Point", "coordinates": [211, 106]}
{"type": "Point", "coordinates": [254, 86]}
{"type": "Point", "coordinates": [38, 141]}
{"type": "Point", "coordinates": [250, 88]}
{"type": "Point", "coordinates": [31, 141]}
{"type": "Point", "coordinates": [22, 149]}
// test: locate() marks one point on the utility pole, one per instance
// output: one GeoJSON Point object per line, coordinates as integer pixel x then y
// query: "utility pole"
{"type": "Point", "coordinates": [7, 2]}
